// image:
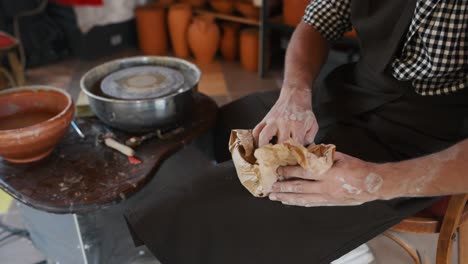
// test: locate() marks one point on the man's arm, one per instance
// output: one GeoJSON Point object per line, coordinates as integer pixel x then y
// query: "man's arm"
{"type": "Point", "coordinates": [306, 54]}
{"type": "Point", "coordinates": [291, 116]}
{"type": "Point", "coordinates": [352, 181]}
{"type": "Point", "coordinates": [441, 173]}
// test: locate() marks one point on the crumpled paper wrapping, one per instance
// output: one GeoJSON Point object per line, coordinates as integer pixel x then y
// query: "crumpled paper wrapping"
{"type": "Point", "coordinates": [256, 168]}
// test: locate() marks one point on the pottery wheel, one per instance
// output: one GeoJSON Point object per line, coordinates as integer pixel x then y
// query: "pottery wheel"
{"type": "Point", "coordinates": [142, 82]}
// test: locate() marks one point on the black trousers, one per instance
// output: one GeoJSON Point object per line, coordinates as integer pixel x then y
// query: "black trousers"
{"type": "Point", "coordinates": [200, 213]}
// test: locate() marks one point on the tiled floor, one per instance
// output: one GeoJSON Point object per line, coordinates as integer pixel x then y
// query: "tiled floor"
{"type": "Point", "coordinates": [224, 82]}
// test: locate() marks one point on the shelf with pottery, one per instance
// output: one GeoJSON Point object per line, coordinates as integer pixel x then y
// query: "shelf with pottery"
{"type": "Point", "coordinates": [228, 17]}
{"type": "Point", "coordinates": [289, 15]}
{"type": "Point", "coordinates": [193, 29]}
{"type": "Point", "coordinates": [241, 11]}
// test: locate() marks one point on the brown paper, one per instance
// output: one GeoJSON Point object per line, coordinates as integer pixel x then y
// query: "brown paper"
{"type": "Point", "coordinates": [256, 168]}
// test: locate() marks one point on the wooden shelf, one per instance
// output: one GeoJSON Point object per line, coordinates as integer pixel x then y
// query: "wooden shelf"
{"type": "Point", "coordinates": [233, 18]}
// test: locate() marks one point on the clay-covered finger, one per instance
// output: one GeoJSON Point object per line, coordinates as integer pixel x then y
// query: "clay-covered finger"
{"type": "Point", "coordinates": [298, 186]}
{"type": "Point", "coordinates": [309, 137]}
{"type": "Point", "coordinates": [267, 133]}
{"type": "Point", "coordinates": [306, 200]}
{"type": "Point", "coordinates": [284, 133]}
{"type": "Point", "coordinates": [257, 130]}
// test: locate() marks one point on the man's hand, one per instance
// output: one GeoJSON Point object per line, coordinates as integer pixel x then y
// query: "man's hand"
{"type": "Point", "coordinates": [350, 181]}
{"type": "Point", "coordinates": [290, 117]}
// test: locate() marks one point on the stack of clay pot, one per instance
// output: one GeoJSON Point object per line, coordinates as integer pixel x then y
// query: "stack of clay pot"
{"type": "Point", "coordinates": [248, 9]}
{"type": "Point", "coordinates": [249, 42]}
{"type": "Point", "coordinates": [204, 36]}
{"type": "Point", "coordinates": [194, 3]}
{"type": "Point", "coordinates": [200, 35]}
{"type": "Point", "coordinates": [164, 3]}
{"type": "Point", "coordinates": [230, 41]}
{"type": "Point", "coordinates": [223, 6]}
{"type": "Point", "coordinates": [151, 28]}
{"type": "Point", "coordinates": [293, 11]}
{"type": "Point", "coordinates": [179, 18]}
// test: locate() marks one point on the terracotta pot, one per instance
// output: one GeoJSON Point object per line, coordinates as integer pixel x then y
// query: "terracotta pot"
{"type": "Point", "coordinates": [223, 6]}
{"type": "Point", "coordinates": [351, 34]}
{"type": "Point", "coordinates": [163, 3]}
{"type": "Point", "coordinates": [247, 9]}
{"type": "Point", "coordinates": [32, 121]}
{"type": "Point", "coordinates": [204, 36]}
{"type": "Point", "coordinates": [195, 3]}
{"type": "Point", "coordinates": [249, 41]}
{"type": "Point", "coordinates": [293, 11]}
{"type": "Point", "coordinates": [179, 19]}
{"type": "Point", "coordinates": [151, 27]}
{"type": "Point", "coordinates": [198, 3]}
{"type": "Point", "coordinates": [230, 41]}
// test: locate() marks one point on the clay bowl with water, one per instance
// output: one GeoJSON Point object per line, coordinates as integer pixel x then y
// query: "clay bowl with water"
{"type": "Point", "coordinates": [33, 119]}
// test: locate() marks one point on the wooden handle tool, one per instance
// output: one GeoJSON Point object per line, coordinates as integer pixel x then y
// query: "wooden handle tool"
{"type": "Point", "coordinates": [112, 143]}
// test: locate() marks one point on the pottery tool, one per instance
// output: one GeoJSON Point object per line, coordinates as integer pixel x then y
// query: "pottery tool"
{"type": "Point", "coordinates": [138, 140]}
{"type": "Point", "coordinates": [109, 140]}
{"type": "Point", "coordinates": [77, 129]}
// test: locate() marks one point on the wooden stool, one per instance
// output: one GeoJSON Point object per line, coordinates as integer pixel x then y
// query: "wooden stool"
{"type": "Point", "coordinates": [455, 219]}
{"type": "Point", "coordinates": [8, 47]}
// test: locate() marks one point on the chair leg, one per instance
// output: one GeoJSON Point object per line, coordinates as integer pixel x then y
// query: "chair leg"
{"type": "Point", "coordinates": [463, 243]}
{"type": "Point", "coordinates": [16, 67]}
{"type": "Point", "coordinates": [414, 254]}
{"type": "Point", "coordinates": [10, 81]}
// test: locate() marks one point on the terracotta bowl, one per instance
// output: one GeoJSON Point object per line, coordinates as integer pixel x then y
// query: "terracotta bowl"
{"type": "Point", "coordinates": [33, 119]}
{"type": "Point", "coordinates": [223, 6]}
{"type": "Point", "coordinates": [247, 9]}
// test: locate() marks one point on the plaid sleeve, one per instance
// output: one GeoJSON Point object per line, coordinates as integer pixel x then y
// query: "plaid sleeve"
{"type": "Point", "coordinates": [332, 18]}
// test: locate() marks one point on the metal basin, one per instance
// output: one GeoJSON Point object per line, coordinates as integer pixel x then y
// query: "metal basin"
{"type": "Point", "coordinates": [142, 115]}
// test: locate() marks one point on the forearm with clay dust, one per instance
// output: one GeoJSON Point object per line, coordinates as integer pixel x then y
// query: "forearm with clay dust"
{"type": "Point", "coordinates": [441, 173]}
{"type": "Point", "coordinates": [306, 54]}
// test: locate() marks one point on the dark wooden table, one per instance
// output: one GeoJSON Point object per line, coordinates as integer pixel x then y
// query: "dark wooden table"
{"type": "Point", "coordinates": [82, 175]}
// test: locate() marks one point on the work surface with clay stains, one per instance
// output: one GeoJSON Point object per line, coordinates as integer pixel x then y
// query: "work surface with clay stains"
{"type": "Point", "coordinates": [83, 175]}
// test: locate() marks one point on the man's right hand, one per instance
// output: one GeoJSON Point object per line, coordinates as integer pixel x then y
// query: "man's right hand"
{"type": "Point", "coordinates": [290, 117]}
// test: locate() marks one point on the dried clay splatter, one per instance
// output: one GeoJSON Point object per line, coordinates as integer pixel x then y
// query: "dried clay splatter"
{"type": "Point", "coordinates": [298, 116]}
{"type": "Point", "coordinates": [373, 182]}
{"type": "Point", "coordinates": [436, 162]}
{"type": "Point", "coordinates": [349, 188]}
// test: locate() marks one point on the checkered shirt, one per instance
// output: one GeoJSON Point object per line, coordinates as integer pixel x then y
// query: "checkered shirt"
{"type": "Point", "coordinates": [434, 56]}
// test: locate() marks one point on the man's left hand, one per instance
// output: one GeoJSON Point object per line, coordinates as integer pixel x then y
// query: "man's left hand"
{"type": "Point", "coordinates": [350, 181]}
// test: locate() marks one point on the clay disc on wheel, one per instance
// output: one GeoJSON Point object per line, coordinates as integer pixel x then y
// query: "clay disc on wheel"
{"type": "Point", "coordinates": [142, 82]}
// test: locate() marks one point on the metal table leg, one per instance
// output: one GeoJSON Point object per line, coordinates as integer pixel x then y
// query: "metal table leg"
{"type": "Point", "coordinates": [95, 238]}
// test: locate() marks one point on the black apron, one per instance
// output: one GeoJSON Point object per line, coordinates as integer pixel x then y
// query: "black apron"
{"type": "Point", "coordinates": [200, 213]}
